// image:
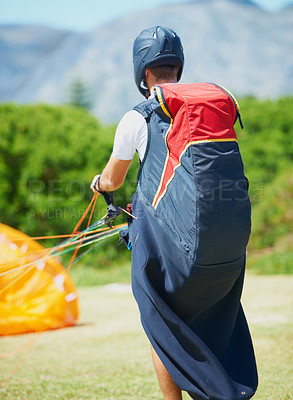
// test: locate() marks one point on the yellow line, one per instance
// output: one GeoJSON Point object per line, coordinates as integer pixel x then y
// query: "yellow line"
{"type": "Point", "coordinates": [165, 166]}
{"type": "Point", "coordinates": [231, 94]}
{"type": "Point", "coordinates": [209, 141]}
{"type": "Point", "coordinates": [158, 91]}
{"type": "Point", "coordinates": [161, 101]}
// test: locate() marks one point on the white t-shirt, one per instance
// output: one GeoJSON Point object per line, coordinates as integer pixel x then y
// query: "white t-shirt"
{"type": "Point", "coordinates": [130, 135]}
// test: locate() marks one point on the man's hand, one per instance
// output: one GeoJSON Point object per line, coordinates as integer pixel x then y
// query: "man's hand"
{"type": "Point", "coordinates": [95, 184]}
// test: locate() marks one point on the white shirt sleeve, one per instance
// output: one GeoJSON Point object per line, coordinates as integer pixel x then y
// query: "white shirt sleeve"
{"type": "Point", "coordinates": [131, 135]}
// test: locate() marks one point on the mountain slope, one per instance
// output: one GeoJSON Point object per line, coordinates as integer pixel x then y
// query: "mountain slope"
{"type": "Point", "coordinates": [231, 42]}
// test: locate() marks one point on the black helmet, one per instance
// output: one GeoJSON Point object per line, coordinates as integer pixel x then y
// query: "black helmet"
{"type": "Point", "coordinates": [154, 47]}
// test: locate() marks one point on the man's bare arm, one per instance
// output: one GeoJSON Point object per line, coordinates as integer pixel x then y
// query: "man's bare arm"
{"type": "Point", "coordinates": [113, 175]}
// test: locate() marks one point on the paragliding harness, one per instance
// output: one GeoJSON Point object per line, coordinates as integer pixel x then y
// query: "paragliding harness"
{"type": "Point", "coordinates": [186, 123]}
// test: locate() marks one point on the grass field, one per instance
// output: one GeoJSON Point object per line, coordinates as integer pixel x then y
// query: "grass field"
{"type": "Point", "coordinates": [106, 356]}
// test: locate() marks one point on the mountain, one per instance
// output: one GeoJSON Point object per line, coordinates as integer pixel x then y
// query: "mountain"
{"type": "Point", "coordinates": [231, 42]}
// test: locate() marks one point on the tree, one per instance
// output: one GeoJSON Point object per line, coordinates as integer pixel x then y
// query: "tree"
{"type": "Point", "coordinates": [80, 95]}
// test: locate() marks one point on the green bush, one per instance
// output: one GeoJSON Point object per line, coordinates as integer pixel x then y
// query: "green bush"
{"type": "Point", "coordinates": [266, 143]}
{"type": "Point", "coordinates": [272, 217]}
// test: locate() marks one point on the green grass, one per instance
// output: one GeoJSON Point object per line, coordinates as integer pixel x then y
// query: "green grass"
{"type": "Point", "coordinates": [107, 356]}
{"type": "Point", "coordinates": [93, 275]}
{"type": "Point", "coordinates": [274, 260]}
{"type": "Point", "coordinates": [270, 262]}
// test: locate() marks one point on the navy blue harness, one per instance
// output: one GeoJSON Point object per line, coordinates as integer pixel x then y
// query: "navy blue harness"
{"type": "Point", "coordinates": [188, 262]}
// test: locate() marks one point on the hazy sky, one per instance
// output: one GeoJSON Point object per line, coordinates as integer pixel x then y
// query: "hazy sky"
{"type": "Point", "coordinates": [83, 15]}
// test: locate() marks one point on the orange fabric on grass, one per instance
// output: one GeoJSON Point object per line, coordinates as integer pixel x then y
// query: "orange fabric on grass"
{"type": "Point", "coordinates": [36, 298]}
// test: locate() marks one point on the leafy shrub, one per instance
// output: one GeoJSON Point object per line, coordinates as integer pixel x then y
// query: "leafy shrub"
{"type": "Point", "coordinates": [266, 142]}
{"type": "Point", "coordinates": [273, 216]}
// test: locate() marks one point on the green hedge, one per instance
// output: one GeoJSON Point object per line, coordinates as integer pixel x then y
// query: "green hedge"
{"type": "Point", "coordinates": [266, 142]}
{"type": "Point", "coordinates": [48, 157]}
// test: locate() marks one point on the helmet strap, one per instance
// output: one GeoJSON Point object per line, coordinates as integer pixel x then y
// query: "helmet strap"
{"type": "Point", "coordinates": [143, 85]}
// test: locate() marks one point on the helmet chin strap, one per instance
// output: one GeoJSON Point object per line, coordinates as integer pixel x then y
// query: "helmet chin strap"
{"type": "Point", "coordinates": [144, 87]}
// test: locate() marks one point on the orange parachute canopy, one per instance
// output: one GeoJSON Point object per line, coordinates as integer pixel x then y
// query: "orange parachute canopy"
{"type": "Point", "coordinates": [36, 292]}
